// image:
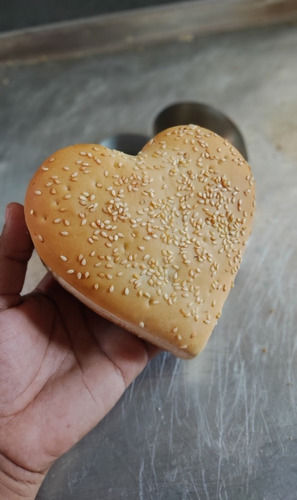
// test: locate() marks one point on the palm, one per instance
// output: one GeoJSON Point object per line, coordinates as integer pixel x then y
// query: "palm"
{"type": "Point", "coordinates": [62, 368]}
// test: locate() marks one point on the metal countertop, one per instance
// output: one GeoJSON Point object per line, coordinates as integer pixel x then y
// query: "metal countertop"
{"type": "Point", "coordinates": [223, 426]}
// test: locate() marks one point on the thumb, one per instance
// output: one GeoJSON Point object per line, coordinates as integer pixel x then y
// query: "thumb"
{"type": "Point", "coordinates": [15, 251]}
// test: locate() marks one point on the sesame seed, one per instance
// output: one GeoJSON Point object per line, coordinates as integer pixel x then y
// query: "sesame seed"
{"type": "Point", "coordinates": [111, 289]}
{"type": "Point", "coordinates": [38, 193]}
{"type": "Point", "coordinates": [70, 271]}
{"type": "Point", "coordinates": [62, 257]}
{"type": "Point", "coordinates": [64, 233]}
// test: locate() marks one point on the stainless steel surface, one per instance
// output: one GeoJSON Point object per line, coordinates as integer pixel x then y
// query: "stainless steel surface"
{"type": "Point", "coordinates": [203, 115]}
{"type": "Point", "coordinates": [223, 426]}
{"type": "Point", "coordinates": [124, 30]}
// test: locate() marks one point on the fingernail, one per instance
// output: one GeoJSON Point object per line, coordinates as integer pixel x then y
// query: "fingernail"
{"type": "Point", "coordinates": [6, 213]}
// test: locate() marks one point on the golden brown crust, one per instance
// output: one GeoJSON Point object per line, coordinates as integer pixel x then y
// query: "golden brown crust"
{"type": "Point", "coordinates": [152, 242]}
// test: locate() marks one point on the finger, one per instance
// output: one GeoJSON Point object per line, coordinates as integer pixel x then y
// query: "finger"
{"type": "Point", "coordinates": [47, 283]}
{"type": "Point", "coordinates": [152, 350]}
{"type": "Point", "coordinates": [15, 251]}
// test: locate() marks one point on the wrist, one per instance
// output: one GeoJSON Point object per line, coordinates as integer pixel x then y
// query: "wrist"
{"type": "Point", "coordinates": [17, 483]}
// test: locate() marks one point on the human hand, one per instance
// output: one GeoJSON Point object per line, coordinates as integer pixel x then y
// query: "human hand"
{"type": "Point", "coordinates": [62, 367]}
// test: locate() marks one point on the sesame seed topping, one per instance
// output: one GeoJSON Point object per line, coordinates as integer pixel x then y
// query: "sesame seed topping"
{"type": "Point", "coordinates": [183, 198]}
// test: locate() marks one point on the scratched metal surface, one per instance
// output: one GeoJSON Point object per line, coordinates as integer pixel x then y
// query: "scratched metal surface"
{"type": "Point", "coordinates": [223, 426]}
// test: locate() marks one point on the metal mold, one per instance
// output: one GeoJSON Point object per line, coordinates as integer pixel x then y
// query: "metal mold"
{"type": "Point", "coordinates": [181, 113]}
{"type": "Point", "coordinates": [130, 144]}
{"type": "Point", "coordinates": [204, 115]}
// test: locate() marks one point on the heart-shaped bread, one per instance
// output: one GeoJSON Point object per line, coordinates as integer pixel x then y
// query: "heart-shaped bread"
{"type": "Point", "coordinates": [152, 242]}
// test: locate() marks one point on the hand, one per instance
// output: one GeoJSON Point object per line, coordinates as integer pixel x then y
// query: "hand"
{"type": "Point", "coordinates": [62, 367]}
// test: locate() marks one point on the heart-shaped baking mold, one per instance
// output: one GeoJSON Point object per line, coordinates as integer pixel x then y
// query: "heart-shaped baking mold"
{"type": "Point", "coordinates": [152, 242]}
